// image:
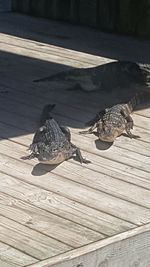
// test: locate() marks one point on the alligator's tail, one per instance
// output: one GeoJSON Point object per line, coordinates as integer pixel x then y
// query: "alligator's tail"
{"type": "Point", "coordinates": [96, 118]}
{"type": "Point", "coordinates": [60, 76]}
{"type": "Point", "coordinates": [46, 113]}
{"type": "Point", "coordinates": [138, 98]}
{"type": "Point", "coordinates": [68, 75]}
{"type": "Point", "coordinates": [145, 70]}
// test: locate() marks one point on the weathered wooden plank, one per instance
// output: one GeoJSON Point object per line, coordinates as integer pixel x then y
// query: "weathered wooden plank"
{"type": "Point", "coordinates": [114, 163]}
{"type": "Point", "coordinates": [131, 248]}
{"type": "Point", "coordinates": [30, 100]}
{"type": "Point", "coordinates": [75, 112]}
{"type": "Point", "coordinates": [134, 145]}
{"type": "Point", "coordinates": [39, 55]}
{"type": "Point", "coordinates": [54, 50]}
{"type": "Point", "coordinates": [54, 226]}
{"type": "Point", "coordinates": [34, 112]}
{"type": "Point", "coordinates": [122, 142]}
{"type": "Point", "coordinates": [105, 167]}
{"type": "Point", "coordinates": [93, 102]}
{"type": "Point", "coordinates": [25, 110]}
{"type": "Point", "coordinates": [140, 162]}
{"type": "Point", "coordinates": [5, 264]}
{"type": "Point", "coordinates": [10, 256]}
{"type": "Point", "coordinates": [85, 144]}
{"type": "Point", "coordinates": [63, 207]}
{"type": "Point", "coordinates": [34, 193]}
{"type": "Point", "coordinates": [128, 211]}
{"type": "Point", "coordinates": [87, 177]}
{"type": "Point", "coordinates": [28, 240]}
{"type": "Point", "coordinates": [87, 104]}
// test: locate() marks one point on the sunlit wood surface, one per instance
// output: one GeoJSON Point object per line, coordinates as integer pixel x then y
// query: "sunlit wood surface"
{"type": "Point", "coordinates": [45, 213]}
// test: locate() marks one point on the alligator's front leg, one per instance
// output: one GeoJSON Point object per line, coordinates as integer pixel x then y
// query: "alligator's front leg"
{"type": "Point", "coordinates": [31, 156]}
{"type": "Point", "coordinates": [90, 130]}
{"type": "Point", "coordinates": [129, 126]}
{"type": "Point", "coordinates": [77, 152]}
{"type": "Point", "coordinates": [98, 117]}
{"type": "Point", "coordinates": [81, 159]}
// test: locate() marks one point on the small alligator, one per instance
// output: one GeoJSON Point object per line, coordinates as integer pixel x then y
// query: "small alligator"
{"type": "Point", "coordinates": [52, 143]}
{"type": "Point", "coordinates": [111, 75]}
{"type": "Point", "coordinates": [112, 122]}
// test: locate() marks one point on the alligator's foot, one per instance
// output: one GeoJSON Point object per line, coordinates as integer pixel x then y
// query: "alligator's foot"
{"type": "Point", "coordinates": [81, 159]}
{"type": "Point", "coordinates": [31, 156]}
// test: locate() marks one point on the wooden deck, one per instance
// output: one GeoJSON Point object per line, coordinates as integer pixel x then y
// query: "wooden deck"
{"type": "Point", "coordinates": [73, 215]}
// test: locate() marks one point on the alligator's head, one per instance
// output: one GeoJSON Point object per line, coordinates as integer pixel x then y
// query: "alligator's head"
{"type": "Point", "coordinates": [51, 158]}
{"type": "Point", "coordinates": [109, 133]}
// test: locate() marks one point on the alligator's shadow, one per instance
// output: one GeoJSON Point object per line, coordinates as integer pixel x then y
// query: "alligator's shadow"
{"type": "Point", "coordinates": [41, 169]}
{"type": "Point", "coordinates": [102, 145]}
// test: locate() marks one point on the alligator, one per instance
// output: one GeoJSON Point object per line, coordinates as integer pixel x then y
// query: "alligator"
{"type": "Point", "coordinates": [116, 74]}
{"type": "Point", "coordinates": [52, 143]}
{"type": "Point", "coordinates": [112, 122]}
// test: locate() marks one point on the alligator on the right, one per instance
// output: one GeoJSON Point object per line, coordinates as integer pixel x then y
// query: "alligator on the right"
{"type": "Point", "coordinates": [112, 122]}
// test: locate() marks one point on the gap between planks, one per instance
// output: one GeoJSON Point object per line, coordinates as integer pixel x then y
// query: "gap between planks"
{"type": "Point", "coordinates": [14, 257]}
{"type": "Point", "coordinates": [107, 184]}
{"type": "Point", "coordinates": [135, 159]}
{"type": "Point", "coordinates": [52, 49]}
{"type": "Point", "coordinates": [82, 196]}
{"type": "Point", "coordinates": [65, 208]}
{"type": "Point", "coordinates": [73, 110]}
{"type": "Point", "coordinates": [103, 170]}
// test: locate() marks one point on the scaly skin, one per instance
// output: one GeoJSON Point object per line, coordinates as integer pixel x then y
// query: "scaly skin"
{"type": "Point", "coordinates": [51, 143]}
{"type": "Point", "coordinates": [112, 122]}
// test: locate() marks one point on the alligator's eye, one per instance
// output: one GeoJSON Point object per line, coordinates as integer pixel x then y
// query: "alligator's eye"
{"type": "Point", "coordinates": [54, 149]}
{"type": "Point", "coordinates": [41, 129]}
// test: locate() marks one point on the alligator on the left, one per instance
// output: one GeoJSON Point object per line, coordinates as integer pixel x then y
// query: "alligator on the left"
{"type": "Point", "coordinates": [52, 143]}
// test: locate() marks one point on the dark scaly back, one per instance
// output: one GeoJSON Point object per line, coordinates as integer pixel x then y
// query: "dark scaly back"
{"type": "Point", "coordinates": [49, 131]}
{"type": "Point", "coordinates": [53, 132]}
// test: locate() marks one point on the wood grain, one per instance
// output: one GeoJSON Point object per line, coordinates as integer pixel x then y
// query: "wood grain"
{"type": "Point", "coordinates": [10, 256]}
{"type": "Point", "coordinates": [79, 174]}
{"type": "Point", "coordinates": [73, 234]}
{"type": "Point", "coordinates": [131, 248]}
{"type": "Point", "coordinates": [28, 240]}
{"type": "Point", "coordinates": [63, 207]}
{"type": "Point", "coordinates": [132, 212]}
{"type": "Point", "coordinates": [67, 214]}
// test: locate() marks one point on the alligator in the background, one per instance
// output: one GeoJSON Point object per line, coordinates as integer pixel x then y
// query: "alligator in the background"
{"type": "Point", "coordinates": [106, 77]}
